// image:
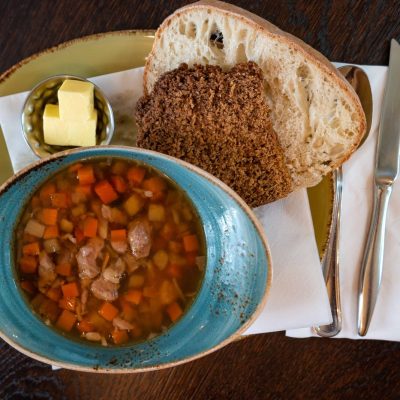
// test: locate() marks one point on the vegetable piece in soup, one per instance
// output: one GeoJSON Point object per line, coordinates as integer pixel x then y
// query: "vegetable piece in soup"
{"type": "Point", "coordinates": [110, 251]}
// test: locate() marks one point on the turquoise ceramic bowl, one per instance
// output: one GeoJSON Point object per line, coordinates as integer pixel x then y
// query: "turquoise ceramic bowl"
{"type": "Point", "coordinates": [234, 289]}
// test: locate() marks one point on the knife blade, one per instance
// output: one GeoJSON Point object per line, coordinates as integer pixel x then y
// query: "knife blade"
{"type": "Point", "coordinates": [386, 171]}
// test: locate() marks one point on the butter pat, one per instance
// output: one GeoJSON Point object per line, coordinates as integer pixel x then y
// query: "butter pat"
{"type": "Point", "coordinates": [75, 99]}
{"type": "Point", "coordinates": [61, 132]}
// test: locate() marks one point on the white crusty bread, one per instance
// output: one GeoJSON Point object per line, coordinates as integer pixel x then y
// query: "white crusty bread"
{"type": "Point", "coordinates": [316, 114]}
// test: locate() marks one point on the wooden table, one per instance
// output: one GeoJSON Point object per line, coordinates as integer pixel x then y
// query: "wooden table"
{"type": "Point", "coordinates": [262, 366]}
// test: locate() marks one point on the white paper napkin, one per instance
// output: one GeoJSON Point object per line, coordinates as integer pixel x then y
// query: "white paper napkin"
{"type": "Point", "coordinates": [298, 296]}
{"type": "Point", "coordinates": [356, 209]}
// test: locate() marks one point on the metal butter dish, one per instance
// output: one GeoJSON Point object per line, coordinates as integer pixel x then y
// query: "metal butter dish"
{"type": "Point", "coordinates": [44, 93]}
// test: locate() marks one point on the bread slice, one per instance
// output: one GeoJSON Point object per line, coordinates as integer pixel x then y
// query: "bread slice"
{"type": "Point", "coordinates": [220, 122]}
{"type": "Point", "coordinates": [316, 114]}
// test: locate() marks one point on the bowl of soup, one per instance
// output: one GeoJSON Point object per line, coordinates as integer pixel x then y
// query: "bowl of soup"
{"type": "Point", "coordinates": [119, 259]}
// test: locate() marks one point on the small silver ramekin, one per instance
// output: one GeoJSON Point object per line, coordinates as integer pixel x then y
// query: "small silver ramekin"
{"type": "Point", "coordinates": [44, 93]}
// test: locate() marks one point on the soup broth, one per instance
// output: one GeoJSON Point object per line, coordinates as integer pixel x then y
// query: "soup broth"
{"type": "Point", "coordinates": [110, 251]}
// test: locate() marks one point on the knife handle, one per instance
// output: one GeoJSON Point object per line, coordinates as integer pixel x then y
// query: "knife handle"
{"type": "Point", "coordinates": [372, 263]}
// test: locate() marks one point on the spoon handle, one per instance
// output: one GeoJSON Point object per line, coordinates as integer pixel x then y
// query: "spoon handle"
{"type": "Point", "coordinates": [330, 264]}
{"type": "Point", "coordinates": [372, 263]}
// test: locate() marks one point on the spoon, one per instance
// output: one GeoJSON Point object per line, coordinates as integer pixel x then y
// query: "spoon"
{"type": "Point", "coordinates": [358, 79]}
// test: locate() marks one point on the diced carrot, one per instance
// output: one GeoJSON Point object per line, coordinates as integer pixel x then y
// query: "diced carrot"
{"type": "Point", "coordinates": [84, 326]}
{"type": "Point", "coordinates": [66, 320]}
{"type": "Point", "coordinates": [108, 311]}
{"type": "Point", "coordinates": [31, 249]}
{"type": "Point", "coordinates": [67, 303]}
{"type": "Point", "coordinates": [128, 312]}
{"type": "Point", "coordinates": [70, 289]}
{"type": "Point", "coordinates": [133, 296]}
{"type": "Point", "coordinates": [119, 337]}
{"type": "Point", "coordinates": [86, 175]}
{"type": "Point", "coordinates": [75, 167]}
{"type": "Point", "coordinates": [154, 184]}
{"type": "Point", "coordinates": [174, 271]}
{"type": "Point", "coordinates": [28, 287]}
{"type": "Point", "coordinates": [119, 184]}
{"type": "Point", "coordinates": [118, 235]}
{"type": "Point", "coordinates": [59, 200]}
{"type": "Point", "coordinates": [106, 192]}
{"type": "Point", "coordinates": [49, 216]}
{"type": "Point", "coordinates": [51, 232]}
{"type": "Point", "coordinates": [64, 269]}
{"type": "Point", "coordinates": [35, 202]}
{"type": "Point", "coordinates": [28, 264]}
{"type": "Point", "coordinates": [84, 189]}
{"type": "Point", "coordinates": [174, 311]}
{"type": "Point", "coordinates": [90, 227]}
{"type": "Point", "coordinates": [190, 243]}
{"type": "Point", "coordinates": [191, 259]}
{"type": "Point", "coordinates": [79, 236]}
{"type": "Point", "coordinates": [136, 175]}
{"type": "Point", "coordinates": [54, 294]}
{"type": "Point", "coordinates": [46, 191]}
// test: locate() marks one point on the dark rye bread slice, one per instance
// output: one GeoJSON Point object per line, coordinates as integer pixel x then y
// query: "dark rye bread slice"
{"type": "Point", "coordinates": [220, 122]}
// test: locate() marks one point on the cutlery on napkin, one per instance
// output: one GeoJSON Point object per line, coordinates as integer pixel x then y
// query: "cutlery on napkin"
{"type": "Point", "coordinates": [298, 296]}
{"type": "Point", "coordinates": [356, 208]}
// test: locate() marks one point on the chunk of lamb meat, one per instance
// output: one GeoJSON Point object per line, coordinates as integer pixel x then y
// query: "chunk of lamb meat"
{"type": "Point", "coordinates": [139, 238]}
{"type": "Point", "coordinates": [87, 256]}
{"type": "Point", "coordinates": [104, 289]}
{"type": "Point", "coordinates": [106, 212]}
{"type": "Point", "coordinates": [114, 272]}
{"type": "Point", "coordinates": [47, 273]}
{"type": "Point", "coordinates": [120, 246]}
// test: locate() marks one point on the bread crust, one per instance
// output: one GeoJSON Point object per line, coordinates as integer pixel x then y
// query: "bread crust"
{"type": "Point", "coordinates": [269, 30]}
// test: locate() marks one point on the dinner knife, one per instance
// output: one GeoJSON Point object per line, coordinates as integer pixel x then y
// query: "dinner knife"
{"type": "Point", "coordinates": [386, 171]}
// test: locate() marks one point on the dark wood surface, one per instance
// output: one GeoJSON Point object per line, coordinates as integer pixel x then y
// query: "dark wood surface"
{"type": "Point", "coordinates": [268, 366]}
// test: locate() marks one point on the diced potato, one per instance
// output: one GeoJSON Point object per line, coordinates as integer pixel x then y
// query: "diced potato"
{"type": "Point", "coordinates": [156, 213]}
{"type": "Point", "coordinates": [136, 281]}
{"type": "Point", "coordinates": [35, 228]}
{"type": "Point", "coordinates": [160, 259]}
{"type": "Point", "coordinates": [78, 210]}
{"type": "Point", "coordinates": [119, 168]}
{"type": "Point", "coordinates": [118, 216]}
{"type": "Point", "coordinates": [52, 245]}
{"type": "Point", "coordinates": [66, 226]}
{"type": "Point", "coordinates": [134, 204]}
{"type": "Point", "coordinates": [168, 292]}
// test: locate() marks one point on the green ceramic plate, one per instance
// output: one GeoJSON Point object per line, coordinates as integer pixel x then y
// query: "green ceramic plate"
{"type": "Point", "coordinates": [111, 52]}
